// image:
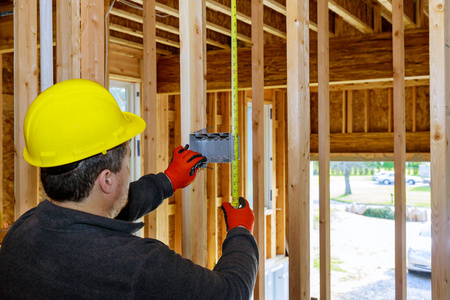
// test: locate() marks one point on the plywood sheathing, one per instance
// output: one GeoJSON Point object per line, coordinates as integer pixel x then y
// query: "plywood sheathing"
{"type": "Point", "coordinates": [8, 138]}
{"type": "Point", "coordinates": [349, 59]}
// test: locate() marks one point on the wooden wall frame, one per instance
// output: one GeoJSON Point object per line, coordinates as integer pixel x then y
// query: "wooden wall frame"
{"type": "Point", "coordinates": [323, 54]}
{"type": "Point", "coordinates": [298, 120]}
{"type": "Point", "coordinates": [439, 153]}
{"type": "Point", "coordinates": [398, 41]}
{"type": "Point", "coordinates": [193, 118]}
{"type": "Point", "coordinates": [258, 141]}
{"type": "Point", "coordinates": [25, 91]}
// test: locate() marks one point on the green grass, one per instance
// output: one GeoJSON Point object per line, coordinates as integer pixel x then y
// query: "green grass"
{"type": "Point", "coordinates": [378, 194]}
{"type": "Point", "coordinates": [335, 264]}
{"type": "Point", "coordinates": [420, 189]}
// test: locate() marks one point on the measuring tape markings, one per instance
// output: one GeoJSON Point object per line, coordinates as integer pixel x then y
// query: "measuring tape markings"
{"type": "Point", "coordinates": [234, 108]}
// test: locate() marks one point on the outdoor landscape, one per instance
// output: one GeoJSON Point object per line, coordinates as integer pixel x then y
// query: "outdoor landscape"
{"type": "Point", "coordinates": [362, 245]}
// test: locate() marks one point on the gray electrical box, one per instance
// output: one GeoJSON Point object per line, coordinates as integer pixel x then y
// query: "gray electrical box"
{"type": "Point", "coordinates": [216, 147]}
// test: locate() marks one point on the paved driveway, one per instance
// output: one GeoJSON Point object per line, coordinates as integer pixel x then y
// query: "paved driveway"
{"type": "Point", "coordinates": [362, 255]}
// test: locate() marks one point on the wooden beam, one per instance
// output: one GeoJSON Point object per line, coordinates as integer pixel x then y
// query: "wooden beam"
{"type": "Point", "coordinates": [137, 33]}
{"type": "Point", "coordinates": [399, 148]}
{"type": "Point", "coordinates": [1, 144]}
{"type": "Point", "coordinates": [258, 141]}
{"type": "Point", "coordinates": [440, 158]}
{"type": "Point", "coordinates": [280, 141]}
{"type": "Point", "coordinates": [377, 21]}
{"type": "Point", "coordinates": [212, 188]}
{"type": "Point", "coordinates": [356, 156]}
{"type": "Point", "coordinates": [324, 149]}
{"type": "Point", "coordinates": [25, 91]}
{"type": "Point", "coordinates": [162, 141]}
{"type": "Point", "coordinates": [350, 111]}
{"type": "Point", "coordinates": [161, 26]}
{"type": "Point", "coordinates": [337, 6]}
{"type": "Point", "coordinates": [155, 136]}
{"type": "Point", "coordinates": [373, 142]}
{"type": "Point", "coordinates": [360, 65]}
{"type": "Point", "coordinates": [193, 117]}
{"type": "Point", "coordinates": [177, 196]}
{"type": "Point", "coordinates": [218, 7]}
{"type": "Point", "coordinates": [408, 21]}
{"type": "Point", "coordinates": [298, 118]}
{"type": "Point", "coordinates": [92, 47]}
{"type": "Point", "coordinates": [67, 40]}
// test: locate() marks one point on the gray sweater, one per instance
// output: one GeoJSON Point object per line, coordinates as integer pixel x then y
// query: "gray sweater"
{"type": "Point", "coordinates": [58, 253]}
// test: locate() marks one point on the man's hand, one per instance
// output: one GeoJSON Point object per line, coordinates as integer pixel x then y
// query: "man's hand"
{"type": "Point", "coordinates": [184, 167]}
{"type": "Point", "coordinates": [242, 216]}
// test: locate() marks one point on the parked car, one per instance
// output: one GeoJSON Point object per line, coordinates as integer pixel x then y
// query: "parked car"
{"type": "Point", "coordinates": [419, 251]}
{"type": "Point", "coordinates": [389, 177]}
{"type": "Point", "coordinates": [379, 174]}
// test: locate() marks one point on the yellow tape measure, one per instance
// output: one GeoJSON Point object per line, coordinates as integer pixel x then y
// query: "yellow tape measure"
{"type": "Point", "coordinates": [234, 109]}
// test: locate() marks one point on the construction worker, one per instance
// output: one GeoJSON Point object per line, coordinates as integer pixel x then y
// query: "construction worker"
{"type": "Point", "coordinates": [79, 244]}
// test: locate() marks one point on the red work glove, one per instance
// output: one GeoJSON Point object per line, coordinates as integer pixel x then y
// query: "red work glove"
{"type": "Point", "coordinates": [184, 167]}
{"type": "Point", "coordinates": [242, 216]}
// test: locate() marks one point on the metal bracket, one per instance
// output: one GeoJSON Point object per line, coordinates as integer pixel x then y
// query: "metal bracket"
{"type": "Point", "coordinates": [216, 147]}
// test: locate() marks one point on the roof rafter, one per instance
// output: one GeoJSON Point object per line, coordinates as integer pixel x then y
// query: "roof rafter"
{"type": "Point", "coordinates": [387, 4]}
{"type": "Point", "coordinates": [344, 9]}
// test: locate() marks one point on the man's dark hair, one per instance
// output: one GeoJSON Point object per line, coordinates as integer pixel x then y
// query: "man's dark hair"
{"type": "Point", "coordinates": [74, 181]}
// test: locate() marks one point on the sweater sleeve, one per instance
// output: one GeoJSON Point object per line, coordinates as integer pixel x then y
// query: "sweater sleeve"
{"type": "Point", "coordinates": [145, 195]}
{"type": "Point", "coordinates": [166, 275]}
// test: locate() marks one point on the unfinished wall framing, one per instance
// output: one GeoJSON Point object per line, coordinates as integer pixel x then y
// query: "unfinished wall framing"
{"type": "Point", "coordinates": [358, 107]}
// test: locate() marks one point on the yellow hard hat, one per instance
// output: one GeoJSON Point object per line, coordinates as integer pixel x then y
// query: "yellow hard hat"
{"type": "Point", "coordinates": [73, 120]}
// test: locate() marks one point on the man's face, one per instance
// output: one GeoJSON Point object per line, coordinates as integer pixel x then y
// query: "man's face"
{"type": "Point", "coordinates": [123, 180]}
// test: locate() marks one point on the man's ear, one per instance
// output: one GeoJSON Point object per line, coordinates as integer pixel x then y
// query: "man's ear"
{"type": "Point", "coordinates": [105, 181]}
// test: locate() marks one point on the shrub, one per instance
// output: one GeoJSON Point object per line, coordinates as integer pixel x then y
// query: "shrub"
{"type": "Point", "coordinates": [382, 213]}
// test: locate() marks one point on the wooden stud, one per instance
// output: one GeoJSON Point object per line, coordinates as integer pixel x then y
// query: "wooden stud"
{"type": "Point", "coordinates": [67, 39]}
{"type": "Point", "coordinates": [162, 213]}
{"type": "Point", "coordinates": [25, 91]}
{"type": "Point", "coordinates": [399, 148]}
{"type": "Point", "coordinates": [149, 111]}
{"type": "Point", "coordinates": [440, 160]}
{"type": "Point", "coordinates": [93, 47]}
{"type": "Point", "coordinates": [107, 49]}
{"type": "Point", "coordinates": [212, 188]}
{"type": "Point", "coordinates": [226, 168]}
{"type": "Point", "coordinates": [390, 114]}
{"type": "Point", "coordinates": [324, 148]}
{"type": "Point", "coordinates": [177, 195]}
{"type": "Point", "coordinates": [155, 136]}
{"type": "Point", "coordinates": [344, 111]}
{"type": "Point", "coordinates": [298, 108]}
{"type": "Point", "coordinates": [243, 142]}
{"type": "Point", "coordinates": [273, 171]}
{"type": "Point", "coordinates": [349, 111]}
{"type": "Point", "coordinates": [366, 111]}
{"type": "Point", "coordinates": [414, 109]}
{"type": "Point", "coordinates": [193, 117]}
{"type": "Point", "coordinates": [280, 165]}
{"type": "Point", "coordinates": [258, 140]}
{"type": "Point", "coordinates": [1, 144]}
{"type": "Point", "coordinates": [377, 20]}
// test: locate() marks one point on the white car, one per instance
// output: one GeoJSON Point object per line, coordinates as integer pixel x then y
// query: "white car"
{"type": "Point", "coordinates": [379, 174]}
{"type": "Point", "coordinates": [389, 177]}
{"type": "Point", "coordinates": [419, 252]}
